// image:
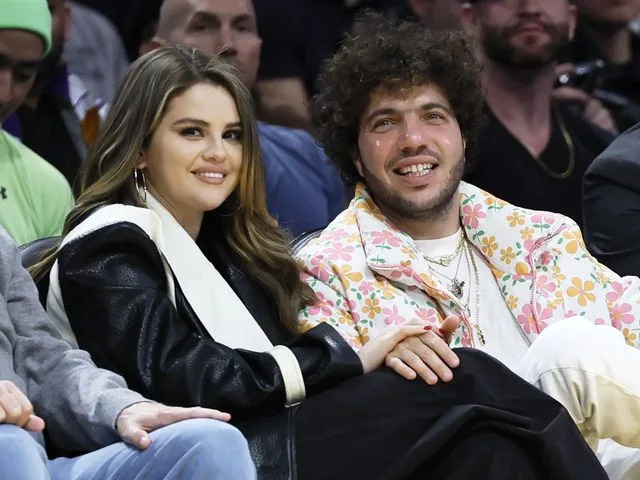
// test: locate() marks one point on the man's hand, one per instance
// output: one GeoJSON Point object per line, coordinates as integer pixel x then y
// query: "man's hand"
{"type": "Point", "coordinates": [16, 409]}
{"type": "Point", "coordinates": [591, 107]}
{"type": "Point", "coordinates": [427, 355]}
{"type": "Point", "coordinates": [136, 421]}
{"type": "Point", "coordinates": [373, 353]}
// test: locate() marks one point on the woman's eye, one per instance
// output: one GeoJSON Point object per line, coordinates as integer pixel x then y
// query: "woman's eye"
{"type": "Point", "coordinates": [233, 135]}
{"type": "Point", "coordinates": [191, 132]}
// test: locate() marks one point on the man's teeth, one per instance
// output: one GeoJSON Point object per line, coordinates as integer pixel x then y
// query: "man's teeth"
{"type": "Point", "coordinates": [416, 170]}
{"type": "Point", "coordinates": [210, 174]}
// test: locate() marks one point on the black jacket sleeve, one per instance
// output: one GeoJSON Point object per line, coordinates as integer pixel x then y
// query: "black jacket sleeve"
{"type": "Point", "coordinates": [611, 205]}
{"type": "Point", "coordinates": [114, 291]}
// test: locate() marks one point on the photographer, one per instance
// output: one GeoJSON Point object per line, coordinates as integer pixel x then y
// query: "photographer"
{"type": "Point", "coordinates": [604, 38]}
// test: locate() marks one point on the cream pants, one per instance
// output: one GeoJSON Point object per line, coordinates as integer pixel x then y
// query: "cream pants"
{"type": "Point", "coordinates": [592, 371]}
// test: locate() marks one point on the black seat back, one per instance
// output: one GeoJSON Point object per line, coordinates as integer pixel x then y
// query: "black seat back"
{"type": "Point", "coordinates": [301, 240]}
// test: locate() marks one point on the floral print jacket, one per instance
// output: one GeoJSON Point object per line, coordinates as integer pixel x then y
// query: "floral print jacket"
{"type": "Point", "coordinates": [369, 275]}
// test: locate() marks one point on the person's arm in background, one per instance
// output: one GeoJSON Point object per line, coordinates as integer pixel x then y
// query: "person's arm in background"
{"type": "Point", "coordinates": [611, 205]}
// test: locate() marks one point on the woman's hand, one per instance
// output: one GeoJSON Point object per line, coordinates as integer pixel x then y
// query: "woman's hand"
{"type": "Point", "coordinates": [427, 355]}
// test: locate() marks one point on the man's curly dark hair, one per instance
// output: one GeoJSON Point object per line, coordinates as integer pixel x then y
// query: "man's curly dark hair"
{"type": "Point", "coordinates": [391, 53]}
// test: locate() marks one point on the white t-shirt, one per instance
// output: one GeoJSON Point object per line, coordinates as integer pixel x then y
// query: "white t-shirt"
{"type": "Point", "coordinates": [504, 339]}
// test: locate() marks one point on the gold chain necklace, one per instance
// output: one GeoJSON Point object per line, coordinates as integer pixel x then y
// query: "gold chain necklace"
{"type": "Point", "coordinates": [445, 260]}
{"type": "Point", "coordinates": [570, 147]}
{"type": "Point", "coordinates": [475, 324]}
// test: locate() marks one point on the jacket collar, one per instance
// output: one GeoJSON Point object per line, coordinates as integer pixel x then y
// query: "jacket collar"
{"type": "Point", "coordinates": [486, 221]}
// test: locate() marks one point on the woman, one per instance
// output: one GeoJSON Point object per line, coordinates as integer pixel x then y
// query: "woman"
{"type": "Point", "coordinates": [172, 273]}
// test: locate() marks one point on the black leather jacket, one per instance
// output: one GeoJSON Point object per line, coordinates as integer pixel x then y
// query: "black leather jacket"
{"type": "Point", "coordinates": [114, 291]}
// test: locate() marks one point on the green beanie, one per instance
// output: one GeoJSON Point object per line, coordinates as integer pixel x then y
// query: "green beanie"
{"type": "Point", "coordinates": [30, 15]}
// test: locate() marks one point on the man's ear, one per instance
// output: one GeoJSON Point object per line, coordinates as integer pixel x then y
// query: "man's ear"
{"type": "Point", "coordinates": [66, 15]}
{"type": "Point", "coordinates": [151, 45]}
{"type": "Point", "coordinates": [468, 17]}
{"type": "Point", "coordinates": [573, 21]}
{"type": "Point", "coordinates": [357, 162]}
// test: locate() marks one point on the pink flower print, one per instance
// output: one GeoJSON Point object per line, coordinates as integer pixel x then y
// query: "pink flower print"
{"type": "Point", "coordinates": [620, 314]}
{"type": "Point", "coordinates": [542, 218]}
{"type": "Point", "coordinates": [338, 234]}
{"type": "Point", "coordinates": [618, 291]}
{"type": "Point", "coordinates": [385, 236]}
{"type": "Point", "coordinates": [599, 321]}
{"type": "Point", "coordinates": [546, 258]}
{"type": "Point", "coordinates": [339, 252]}
{"type": "Point", "coordinates": [393, 317]}
{"type": "Point", "coordinates": [319, 271]}
{"type": "Point", "coordinates": [353, 305]}
{"type": "Point", "coordinates": [366, 287]}
{"type": "Point", "coordinates": [543, 315]}
{"type": "Point", "coordinates": [322, 306]}
{"type": "Point", "coordinates": [472, 215]}
{"type": "Point", "coordinates": [428, 315]}
{"type": "Point", "coordinates": [526, 319]}
{"type": "Point", "coordinates": [545, 285]}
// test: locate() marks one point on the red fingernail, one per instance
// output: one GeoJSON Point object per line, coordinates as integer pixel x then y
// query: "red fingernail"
{"type": "Point", "coordinates": [428, 327]}
{"type": "Point", "coordinates": [440, 331]}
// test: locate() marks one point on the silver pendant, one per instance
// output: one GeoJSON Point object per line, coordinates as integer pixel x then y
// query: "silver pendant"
{"type": "Point", "coordinates": [456, 288]}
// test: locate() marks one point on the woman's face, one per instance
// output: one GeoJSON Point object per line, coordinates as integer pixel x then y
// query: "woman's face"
{"type": "Point", "coordinates": [194, 160]}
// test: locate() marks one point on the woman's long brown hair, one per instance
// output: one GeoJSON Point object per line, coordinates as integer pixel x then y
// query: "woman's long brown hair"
{"type": "Point", "coordinates": [106, 177]}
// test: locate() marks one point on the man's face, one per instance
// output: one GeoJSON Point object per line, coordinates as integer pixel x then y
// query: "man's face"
{"type": "Point", "coordinates": [613, 14]}
{"type": "Point", "coordinates": [411, 152]}
{"type": "Point", "coordinates": [524, 33]}
{"type": "Point", "coordinates": [221, 27]}
{"type": "Point", "coordinates": [438, 15]}
{"type": "Point", "coordinates": [20, 54]}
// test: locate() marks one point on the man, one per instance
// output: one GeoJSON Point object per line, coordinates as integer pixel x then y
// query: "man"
{"type": "Point", "coordinates": [304, 191]}
{"type": "Point", "coordinates": [397, 109]}
{"type": "Point", "coordinates": [533, 151]}
{"type": "Point", "coordinates": [438, 15]}
{"type": "Point", "coordinates": [604, 33]}
{"type": "Point", "coordinates": [85, 408]}
{"type": "Point", "coordinates": [94, 52]}
{"type": "Point", "coordinates": [611, 203]}
{"type": "Point", "coordinates": [34, 197]}
{"type": "Point", "coordinates": [59, 116]}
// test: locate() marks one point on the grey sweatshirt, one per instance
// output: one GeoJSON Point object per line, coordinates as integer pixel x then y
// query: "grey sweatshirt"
{"type": "Point", "coordinates": [78, 401]}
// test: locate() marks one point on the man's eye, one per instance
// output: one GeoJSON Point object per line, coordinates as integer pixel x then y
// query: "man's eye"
{"type": "Point", "coordinates": [22, 75]}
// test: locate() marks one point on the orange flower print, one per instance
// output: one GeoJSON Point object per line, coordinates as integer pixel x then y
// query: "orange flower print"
{"type": "Point", "coordinates": [489, 245]}
{"type": "Point", "coordinates": [582, 291]}
{"type": "Point", "coordinates": [364, 335]}
{"type": "Point", "coordinates": [346, 275]}
{"type": "Point", "coordinates": [557, 275]}
{"type": "Point", "coordinates": [409, 252]}
{"type": "Point", "coordinates": [507, 255]}
{"type": "Point", "coordinates": [512, 302]}
{"type": "Point", "coordinates": [472, 215]}
{"type": "Point", "coordinates": [515, 219]}
{"type": "Point", "coordinates": [526, 233]}
{"type": "Point", "coordinates": [574, 240]}
{"type": "Point", "coordinates": [371, 307]}
{"type": "Point", "coordinates": [630, 337]}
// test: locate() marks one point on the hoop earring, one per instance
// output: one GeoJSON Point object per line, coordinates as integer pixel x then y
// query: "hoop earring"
{"type": "Point", "coordinates": [140, 186]}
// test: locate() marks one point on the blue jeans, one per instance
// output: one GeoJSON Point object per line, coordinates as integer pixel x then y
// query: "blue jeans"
{"type": "Point", "coordinates": [198, 449]}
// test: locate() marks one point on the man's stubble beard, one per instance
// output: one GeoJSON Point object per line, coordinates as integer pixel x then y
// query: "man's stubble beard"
{"type": "Point", "coordinates": [394, 205]}
{"type": "Point", "coordinates": [497, 47]}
